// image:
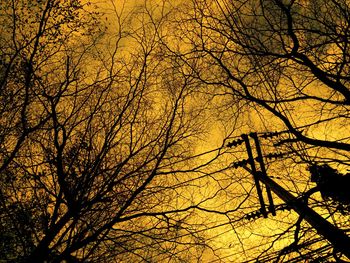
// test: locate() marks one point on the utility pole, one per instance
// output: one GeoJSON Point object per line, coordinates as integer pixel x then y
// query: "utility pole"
{"type": "Point", "coordinates": [334, 235]}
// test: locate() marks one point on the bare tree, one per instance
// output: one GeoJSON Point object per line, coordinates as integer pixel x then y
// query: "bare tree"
{"type": "Point", "coordinates": [283, 65]}
{"type": "Point", "coordinates": [98, 158]}
{"type": "Point", "coordinates": [102, 128]}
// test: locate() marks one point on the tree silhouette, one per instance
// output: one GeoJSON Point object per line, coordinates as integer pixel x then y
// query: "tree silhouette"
{"type": "Point", "coordinates": [97, 138]}
{"type": "Point", "coordinates": [278, 65]}
{"type": "Point", "coordinates": [106, 117]}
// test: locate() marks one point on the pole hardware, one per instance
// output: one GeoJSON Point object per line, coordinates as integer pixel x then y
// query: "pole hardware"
{"type": "Point", "coordinates": [337, 237]}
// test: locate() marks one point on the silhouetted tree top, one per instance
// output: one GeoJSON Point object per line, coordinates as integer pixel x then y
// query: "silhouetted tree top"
{"type": "Point", "coordinates": [97, 139]}
{"type": "Point", "coordinates": [278, 66]}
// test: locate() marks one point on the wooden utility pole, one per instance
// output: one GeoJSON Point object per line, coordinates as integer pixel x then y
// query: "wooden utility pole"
{"type": "Point", "coordinates": [334, 235]}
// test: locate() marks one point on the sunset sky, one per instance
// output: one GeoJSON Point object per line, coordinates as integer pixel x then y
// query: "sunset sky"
{"type": "Point", "coordinates": [121, 128]}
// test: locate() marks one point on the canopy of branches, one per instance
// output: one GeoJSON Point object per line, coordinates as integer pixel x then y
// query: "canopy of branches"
{"type": "Point", "coordinates": [115, 117]}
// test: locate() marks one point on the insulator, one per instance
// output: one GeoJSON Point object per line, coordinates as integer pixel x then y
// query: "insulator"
{"type": "Point", "coordinates": [235, 143]}
{"type": "Point", "coordinates": [269, 156]}
{"type": "Point", "coordinates": [258, 214]}
{"type": "Point", "coordinates": [253, 215]}
{"type": "Point", "coordinates": [240, 163]}
{"type": "Point", "coordinates": [231, 144]}
{"type": "Point", "coordinates": [274, 155]}
{"type": "Point", "coordinates": [267, 135]}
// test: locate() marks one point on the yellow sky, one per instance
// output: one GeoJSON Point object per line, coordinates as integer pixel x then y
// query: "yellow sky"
{"type": "Point", "coordinates": [121, 12]}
